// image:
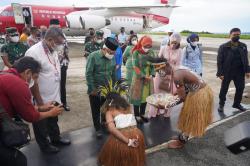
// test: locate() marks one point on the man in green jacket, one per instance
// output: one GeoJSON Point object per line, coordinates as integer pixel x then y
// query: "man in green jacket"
{"type": "Point", "coordinates": [14, 49]}
{"type": "Point", "coordinates": [100, 69]}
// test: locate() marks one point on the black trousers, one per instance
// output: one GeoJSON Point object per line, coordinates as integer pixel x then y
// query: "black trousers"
{"type": "Point", "coordinates": [239, 82]}
{"type": "Point", "coordinates": [63, 84]}
{"type": "Point", "coordinates": [12, 157]}
{"type": "Point", "coordinates": [140, 110]}
{"type": "Point", "coordinates": [95, 103]}
{"type": "Point", "coordinates": [46, 130]}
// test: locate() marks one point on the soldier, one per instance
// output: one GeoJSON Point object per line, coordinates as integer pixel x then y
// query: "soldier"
{"type": "Point", "coordinates": [13, 50]}
{"type": "Point", "coordinates": [95, 44]}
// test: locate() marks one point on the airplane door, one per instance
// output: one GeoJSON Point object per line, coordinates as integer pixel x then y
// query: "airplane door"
{"type": "Point", "coordinates": [147, 21]}
{"type": "Point", "coordinates": [18, 13]}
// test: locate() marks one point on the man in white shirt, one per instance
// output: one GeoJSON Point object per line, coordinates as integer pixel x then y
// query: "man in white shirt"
{"type": "Point", "coordinates": [122, 39]}
{"type": "Point", "coordinates": [48, 88]}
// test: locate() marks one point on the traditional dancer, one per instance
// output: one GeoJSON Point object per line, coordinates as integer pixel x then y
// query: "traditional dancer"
{"type": "Point", "coordinates": [196, 113]}
{"type": "Point", "coordinates": [125, 145]}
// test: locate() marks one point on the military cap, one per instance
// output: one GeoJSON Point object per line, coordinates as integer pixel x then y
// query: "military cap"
{"type": "Point", "coordinates": [111, 43]}
{"type": "Point", "coordinates": [99, 33]}
{"type": "Point", "coordinates": [11, 30]}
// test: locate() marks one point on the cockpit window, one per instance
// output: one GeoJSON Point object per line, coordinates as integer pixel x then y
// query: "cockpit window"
{"type": "Point", "coordinates": [7, 13]}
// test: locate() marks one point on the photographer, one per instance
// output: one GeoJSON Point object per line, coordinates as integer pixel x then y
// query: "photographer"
{"type": "Point", "coordinates": [15, 99]}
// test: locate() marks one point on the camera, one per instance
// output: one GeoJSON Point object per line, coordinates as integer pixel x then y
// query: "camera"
{"type": "Point", "coordinates": [55, 103]}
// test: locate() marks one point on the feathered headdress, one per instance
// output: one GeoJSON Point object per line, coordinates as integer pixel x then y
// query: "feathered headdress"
{"type": "Point", "coordinates": [120, 87]}
{"type": "Point", "coordinates": [113, 92]}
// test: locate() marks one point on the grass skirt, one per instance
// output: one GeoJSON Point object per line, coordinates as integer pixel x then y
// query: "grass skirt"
{"type": "Point", "coordinates": [116, 153]}
{"type": "Point", "coordinates": [197, 112]}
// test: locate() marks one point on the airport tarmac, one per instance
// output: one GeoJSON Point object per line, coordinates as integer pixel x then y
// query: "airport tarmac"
{"type": "Point", "coordinates": [76, 123]}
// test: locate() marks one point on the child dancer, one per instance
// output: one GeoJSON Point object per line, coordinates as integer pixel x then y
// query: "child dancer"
{"type": "Point", "coordinates": [125, 145]}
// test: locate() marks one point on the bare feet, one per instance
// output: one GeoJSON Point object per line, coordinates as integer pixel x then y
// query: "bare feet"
{"type": "Point", "coordinates": [175, 144]}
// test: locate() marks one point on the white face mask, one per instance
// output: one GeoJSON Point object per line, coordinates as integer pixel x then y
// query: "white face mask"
{"type": "Point", "coordinates": [59, 49]}
{"type": "Point", "coordinates": [31, 83]}
{"type": "Point", "coordinates": [195, 43]}
{"type": "Point", "coordinates": [109, 56]}
{"type": "Point", "coordinates": [145, 49]}
{"type": "Point", "coordinates": [134, 42]}
{"type": "Point", "coordinates": [99, 41]}
{"type": "Point", "coordinates": [14, 39]}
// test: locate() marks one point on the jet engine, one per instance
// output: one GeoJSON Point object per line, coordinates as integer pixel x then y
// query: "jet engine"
{"type": "Point", "coordinates": [86, 21]}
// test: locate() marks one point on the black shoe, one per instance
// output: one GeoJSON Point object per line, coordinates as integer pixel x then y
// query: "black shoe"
{"type": "Point", "coordinates": [221, 108]}
{"type": "Point", "coordinates": [144, 118]}
{"type": "Point", "coordinates": [66, 108]}
{"type": "Point", "coordinates": [239, 107]}
{"type": "Point", "coordinates": [50, 149]}
{"type": "Point", "coordinates": [61, 141]}
{"type": "Point", "coordinates": [98, 134]}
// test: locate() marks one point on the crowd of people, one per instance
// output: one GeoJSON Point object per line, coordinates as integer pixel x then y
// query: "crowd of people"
{"type": "Point", "coordinates": [37, 63]}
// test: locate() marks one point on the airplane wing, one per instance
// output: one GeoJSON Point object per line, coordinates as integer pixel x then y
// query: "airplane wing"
{"type": "Point", "coordinates": [134, 7]}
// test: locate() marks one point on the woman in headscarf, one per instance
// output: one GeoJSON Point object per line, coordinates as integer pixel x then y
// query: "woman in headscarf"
{"type": "Point", "coordinates": [127, 57]}
{"type": "Point", "coordinates": [164, 83]}
{"type": "Point", "coordinates": [142, 82]}
{"type": "Point", "coordinates": [192, 54]}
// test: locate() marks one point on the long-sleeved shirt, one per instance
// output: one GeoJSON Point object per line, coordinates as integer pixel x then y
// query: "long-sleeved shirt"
{"type": "Point", "coordinates": [192, 58]}
{"type": "Point", "coordinates": [99, 70]}
{"type": "Point", "coordinates": [15, 96]}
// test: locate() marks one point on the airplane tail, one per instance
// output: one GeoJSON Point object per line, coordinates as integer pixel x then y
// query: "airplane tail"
{"type": "Point", "coordinates": [169, 2]}
{"type": "Point", "coordinates": [166, 11]}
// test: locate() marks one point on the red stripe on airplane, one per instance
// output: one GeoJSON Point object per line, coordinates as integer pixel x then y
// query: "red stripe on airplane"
{"type": "Point", "coordinates": [161, 19]}
{"type": "Point", "coordinates": [164, 1]}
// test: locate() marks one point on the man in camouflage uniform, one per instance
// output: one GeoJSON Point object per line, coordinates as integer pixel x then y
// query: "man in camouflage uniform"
{"type": "Point", "coordinates": [95, 44]}
{"type": "Point", "coordinates": [13, 50]}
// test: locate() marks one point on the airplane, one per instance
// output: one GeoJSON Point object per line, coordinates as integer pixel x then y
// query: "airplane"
{"type": "Point", "coordinates": [137, 16]}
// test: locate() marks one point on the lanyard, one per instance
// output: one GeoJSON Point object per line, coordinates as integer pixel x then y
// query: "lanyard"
{"type": "Point", "coordinates": [47, 54]}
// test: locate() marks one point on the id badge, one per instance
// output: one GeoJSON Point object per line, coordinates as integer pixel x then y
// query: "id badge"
{"type": "Point", "coordinates": [57, 77]}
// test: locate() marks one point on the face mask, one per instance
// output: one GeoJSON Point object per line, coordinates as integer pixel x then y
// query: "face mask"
{"type": "Point", "coordinates": [99, 41]}
{"type": "Point", "coordinates": [14, 39]}
{"type": "Point", "coordinates": [134, 42]}
{"type": "Point", "coordinates": [194, 43]}
{"type": "Point", "coordinates": [145, 49]}
{"type": "Point", "coordinates": [31, 83]}
{"type": "Point", "coordinates": [236, 38]}
{"type": "Point", "coordinates": [58, 48]}
{"type": "Point", "coordinates": [109, 56]}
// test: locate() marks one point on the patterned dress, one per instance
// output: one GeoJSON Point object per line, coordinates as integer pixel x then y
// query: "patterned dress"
{"type": "Point", "coordinates": [141, 88]}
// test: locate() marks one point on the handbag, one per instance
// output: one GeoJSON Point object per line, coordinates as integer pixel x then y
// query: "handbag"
{"type": "Point", "coordinates": [13, 133]}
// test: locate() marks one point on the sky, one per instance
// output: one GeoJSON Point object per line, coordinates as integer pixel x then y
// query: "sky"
{"type": "Point", "coordinates": [195, 15]}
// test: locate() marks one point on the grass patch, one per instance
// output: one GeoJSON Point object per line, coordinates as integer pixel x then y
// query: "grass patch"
{"type": "Point", "coordinates": [212, 35]}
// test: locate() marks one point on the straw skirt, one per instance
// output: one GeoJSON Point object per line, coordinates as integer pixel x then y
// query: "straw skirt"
{"type": "Point", "coordinates": [116, 153]}
{"type": "Point", "coordinates": [197, 112]}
